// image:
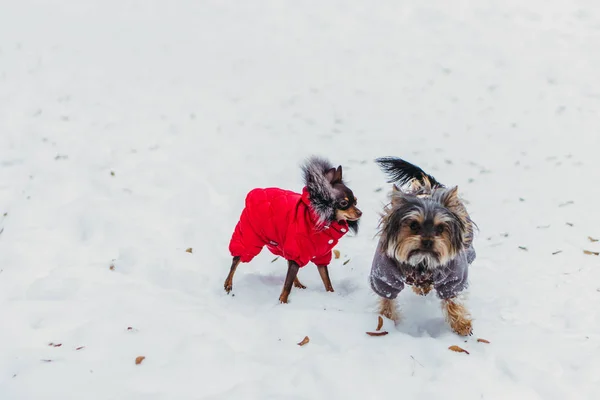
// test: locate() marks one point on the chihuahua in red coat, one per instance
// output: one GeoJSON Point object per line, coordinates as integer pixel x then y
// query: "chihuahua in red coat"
{"type": "Point", "coordinates": [301, 228]}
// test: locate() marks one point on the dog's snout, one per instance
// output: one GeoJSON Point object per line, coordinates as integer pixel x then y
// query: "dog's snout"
{"type": "Point", "coordinates": [427, 244]}
{"type": "Point", "coordinates": [358, 213]}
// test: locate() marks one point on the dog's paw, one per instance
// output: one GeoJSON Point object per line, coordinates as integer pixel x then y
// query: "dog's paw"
{"type": "Point", "coordinates": [299, 285]}
{"type": "Point", "coordinates": [228, 287]}
{"type": "Point", "coordinates": [283, 299]}
{"type": "Point", "coordinates": [463, 327]}
{"type": "Point", "coordinates": [421, 290]}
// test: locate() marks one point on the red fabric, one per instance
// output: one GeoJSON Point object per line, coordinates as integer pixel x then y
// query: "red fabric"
{"type": "Point", "coordinates": [284, 222]}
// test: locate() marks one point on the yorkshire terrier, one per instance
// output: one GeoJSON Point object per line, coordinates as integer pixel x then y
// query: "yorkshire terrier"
{"type": "Point", "coordinates": [426, 241]}
{"type": "Point", "coordinates": [298, 227]}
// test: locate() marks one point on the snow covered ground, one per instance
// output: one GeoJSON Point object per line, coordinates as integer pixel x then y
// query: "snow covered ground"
{"type": "Point", "coordinates": [132, 130]}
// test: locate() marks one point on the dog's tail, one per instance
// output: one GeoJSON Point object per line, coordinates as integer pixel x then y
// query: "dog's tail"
{"type": "Point", "coordinates": [402, 172]}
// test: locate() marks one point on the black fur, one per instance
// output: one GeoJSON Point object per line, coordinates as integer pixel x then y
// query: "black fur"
{"type": "Point", "coordinates": [403, 172]}
{"type": "Point", "coordinates": [353, 225]}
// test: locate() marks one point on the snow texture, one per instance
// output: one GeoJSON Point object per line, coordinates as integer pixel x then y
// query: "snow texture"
{"type": "Point", "coordinates": [131, 131]}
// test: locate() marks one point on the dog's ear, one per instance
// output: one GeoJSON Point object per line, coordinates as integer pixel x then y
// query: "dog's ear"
{"type": "Point", "coordinates": [396, 196]}
{"type": "Point", "coordinates": [334, 175]}
{"type": "Point", "coordinates": [337, 178]}
{"type": "Point", "coordinates": [450, 198]}
{"type": "Point", "coordinates": [330, 174]}
{"type": "Point", "coordinates": [452, 202]}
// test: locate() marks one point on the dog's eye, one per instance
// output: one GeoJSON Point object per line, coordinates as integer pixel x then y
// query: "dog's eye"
{"type": "Point", "coordinates": [439, 230]}
{"type": "Point", "coordinates": [414, 226]}
{"type": "Point", "coordinates": [344, 203]}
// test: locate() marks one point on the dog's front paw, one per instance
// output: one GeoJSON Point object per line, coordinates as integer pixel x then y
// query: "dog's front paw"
{"type": "Point", "coordinates": [283, 299]}
{"type": "Point", "coordinates": [463, 327]}
{"type": "Point", "coordinates": [458, 317]}
{"type": "Point", "coordinates": [389, 309]}
{"type": "Point", "coordinates": [421, 290]}
{"type": "Point", "coordinates": [228, 286]}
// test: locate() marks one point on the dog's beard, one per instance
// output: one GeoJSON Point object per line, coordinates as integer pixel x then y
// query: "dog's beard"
{"type": "Point", "coordinates": [427, 259]}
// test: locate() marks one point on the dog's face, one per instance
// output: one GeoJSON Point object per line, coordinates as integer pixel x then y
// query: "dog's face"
{"type": "Point", "coordinates": [344, 199]}
{"type": "Point", "coordinates": [426, 230]}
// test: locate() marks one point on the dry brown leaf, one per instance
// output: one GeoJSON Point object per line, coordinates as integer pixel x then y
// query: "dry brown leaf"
{"type": "Point", "coordinates": [188, 250]}
{"type": "Point", "coordinates": [592, 239]}
{"type": "Point", "coordinates": [275, 259]}
{"type": "Point", "coordinates": [346, 262]}
{"type": "Point", "coordinates": [480, 340]}
{"type": "Point", "coordinates": [458, 349]}
{"type": "Point", "coordinates": [591, 253]}
{"type": "Point", "coordinates": [336, 254]}
{"type": "Point", "coordinates": [379, 323]}
{"type": "Point", "coordinates": [138, 360]}
{"type": "Point", "coordinates": [377, 333]}
{"type": "Point", "coordinates": [112, 267]}
{"type": "Point", "coordinates": [80, 348]}
{"type": "Point", "coordinates": [55, 344]}
{"type": "Point", "coordinates": [304, 341]}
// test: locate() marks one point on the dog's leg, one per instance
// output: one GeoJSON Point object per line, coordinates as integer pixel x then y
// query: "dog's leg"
{"type": "Point", "coordinates": [458, 317]}
{"type": "Point", "coordinates": [389, 309]}
{"type": "Point", "coordinates": [324, 272]}
{"type": "Point", "coordinates": [289, 281]}
{"type": "Point", "coordinates": [229, 281]}
{"type": "Point", "coordinates": [298, 284]}
{"type": "Point", "coordinates": [422, 290]}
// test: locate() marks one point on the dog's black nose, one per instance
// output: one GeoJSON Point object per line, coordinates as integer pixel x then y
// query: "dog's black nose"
{"type": "Point", "coordinates": [427, 244]}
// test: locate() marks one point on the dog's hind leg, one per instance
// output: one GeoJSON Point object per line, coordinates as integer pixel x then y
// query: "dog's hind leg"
{"type": "Point", "coordinates": [389, 309]}
{"type": "Point", "coordinates": [229, 281]}
{"type": "Point", "coordinates": [298, 284]}
{"type": "Point", "coordinates": [458, 317]}
{"type": "Point", "coordinates": [324, 272]}
{"type": "Point", "coordinates": [289, 281]}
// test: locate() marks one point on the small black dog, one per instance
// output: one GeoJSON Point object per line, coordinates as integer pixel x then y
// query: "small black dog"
{"type": "Point", "coordinates": [426, 242]}
{"type": "Point", "coordinates": [301, 228]}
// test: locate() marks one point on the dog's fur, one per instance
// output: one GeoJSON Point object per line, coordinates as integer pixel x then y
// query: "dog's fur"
{"type": "Point", "coordinates": [330, 200]}
{"type": "Point", "coordinates": [424, 227]}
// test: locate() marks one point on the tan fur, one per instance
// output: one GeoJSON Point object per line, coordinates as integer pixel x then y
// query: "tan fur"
{"type": "Point", "coordinates": [442, 245]}
{"type": "Point", "coordinates": [422, 290]}
{"type": "Point", "coordinates": [352, 214]}
{"type": "Point", "coordinates": [389, 309]}
{"type": "Point", "coordinates": [458, 317]}
{"type": "Point", "coordinates": [454, 204]}
{"type": "Point", "coordinates": [400, 248]}
{"type": "Point", "coordinates": [298, 284]}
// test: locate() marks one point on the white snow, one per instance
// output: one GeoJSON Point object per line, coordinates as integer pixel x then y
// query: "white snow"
{"type": "Point", "coordinates": [193, 103]}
